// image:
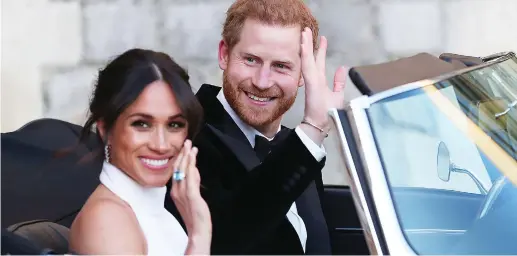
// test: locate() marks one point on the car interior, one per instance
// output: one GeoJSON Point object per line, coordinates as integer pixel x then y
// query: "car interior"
{"type": "Point", "coordinates": [47, 229]}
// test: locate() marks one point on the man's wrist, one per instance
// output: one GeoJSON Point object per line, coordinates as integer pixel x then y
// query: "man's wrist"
{"type": "Point", "coordinates": [314, 133]}
{"type": "Point", "coordinates": [322, 128]}
{"type": "Point", "coordinates": [320, 124]}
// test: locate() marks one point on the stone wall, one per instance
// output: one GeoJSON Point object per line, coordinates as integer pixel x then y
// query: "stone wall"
{"type": "Point", "coordinates": [52, 49]}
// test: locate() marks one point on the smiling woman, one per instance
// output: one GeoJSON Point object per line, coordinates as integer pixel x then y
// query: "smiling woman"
{"type": "Point", "coordinates": [147, 135]}
{"type": "Point", "coordinates": [146, 115]}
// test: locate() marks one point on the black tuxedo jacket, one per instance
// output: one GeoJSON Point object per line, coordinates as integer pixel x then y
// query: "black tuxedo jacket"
{"type": "Point", "coordinates": [249, 199]}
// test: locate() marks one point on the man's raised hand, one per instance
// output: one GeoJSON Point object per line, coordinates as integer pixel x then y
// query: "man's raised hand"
{"type": "Point", "coordinates": [318, 97]}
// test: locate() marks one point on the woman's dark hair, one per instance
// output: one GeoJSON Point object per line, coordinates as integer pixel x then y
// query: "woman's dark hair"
{"type": "Point", "coordinates": [120, 83]}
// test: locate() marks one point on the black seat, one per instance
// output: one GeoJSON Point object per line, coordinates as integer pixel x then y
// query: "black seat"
{"type": "Point", "coordinates": [37, 237]}
{"type": "Point", "coordinates": [37, 183]}
{"type": "Point", "coordinates": [49, 236]}
{"type": "Point", "coordinates": [14, 244]}
{"type": "Point", "coordinates": [42, 191]}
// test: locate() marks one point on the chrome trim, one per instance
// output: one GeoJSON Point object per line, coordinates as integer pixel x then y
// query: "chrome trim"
{"type": "Point", "coordinates": [495, 56]}
{"type": "Point", "coordinates": [392, 232]}
{"type": "Point", "coordinates": [371, 236]}
{"type": "Point", "coordinates": [416, 230]}
{"type": "Point", "coordinates": [434, 231]}
{"type": "Point", "coordinates": [492, 195]}
{"type": "Point", "coordinates": [391, 92]}
{"type": "Point", "coordinates": [473, 176]}
{"type": "Point", "coordinates": [348, 229]}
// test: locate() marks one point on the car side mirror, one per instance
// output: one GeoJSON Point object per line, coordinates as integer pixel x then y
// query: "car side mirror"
{"type": "Point", "coordinates": [443, 162]}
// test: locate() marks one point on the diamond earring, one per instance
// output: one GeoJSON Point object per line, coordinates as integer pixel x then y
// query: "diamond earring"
{"type": "Point", "coordinates": [107, 152]}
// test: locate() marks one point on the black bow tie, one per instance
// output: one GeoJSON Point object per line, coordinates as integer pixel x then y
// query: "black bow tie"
{"type": "Point", "coordinates": [263, 146]}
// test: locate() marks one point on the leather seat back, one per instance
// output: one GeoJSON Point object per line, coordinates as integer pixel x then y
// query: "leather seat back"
{"type": "Point", "coordinates": [49, 236]}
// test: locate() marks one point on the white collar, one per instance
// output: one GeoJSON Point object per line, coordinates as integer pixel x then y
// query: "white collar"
{"type": "Point", "coordinates": [248, 131]}
{"type": "Point", "coordinates": [131, 191]}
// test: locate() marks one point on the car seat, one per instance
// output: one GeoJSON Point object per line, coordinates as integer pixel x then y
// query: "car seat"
{"type": "Point", "coordinates": [37, 237]}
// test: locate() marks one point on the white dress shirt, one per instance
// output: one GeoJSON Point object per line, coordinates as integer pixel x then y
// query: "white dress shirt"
{"type": "Point", "coordinates": [250, 132]}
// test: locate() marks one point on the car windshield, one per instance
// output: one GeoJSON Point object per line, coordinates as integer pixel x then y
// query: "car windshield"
{"type": "Point", "coordinates": [449, 153]}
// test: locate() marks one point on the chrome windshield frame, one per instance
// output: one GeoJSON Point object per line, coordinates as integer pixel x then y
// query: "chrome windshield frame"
{"type": "Point", "coordinates": [356, 111]}
{"type": "Point", "coordinates": [357, 188]}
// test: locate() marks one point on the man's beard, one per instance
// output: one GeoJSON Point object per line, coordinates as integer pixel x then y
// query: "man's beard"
{"type": "Point", "coordinates": [252, 117]}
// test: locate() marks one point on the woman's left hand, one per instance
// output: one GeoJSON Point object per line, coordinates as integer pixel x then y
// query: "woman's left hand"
{"type": "Point", "coordinates": [187, 197]}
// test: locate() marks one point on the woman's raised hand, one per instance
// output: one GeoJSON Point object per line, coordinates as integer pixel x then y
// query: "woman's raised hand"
{"type": "Point", "coordinates": [185, 193]}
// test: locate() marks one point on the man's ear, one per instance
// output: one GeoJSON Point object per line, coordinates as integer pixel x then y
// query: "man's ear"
{"type": "Point", "coordinates": [301, 82]}
{"type": "Point", "coordinates": [223, 55]}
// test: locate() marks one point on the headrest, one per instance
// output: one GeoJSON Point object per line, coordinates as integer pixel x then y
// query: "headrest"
{"type": "Point", "coordinates": [372, 79]}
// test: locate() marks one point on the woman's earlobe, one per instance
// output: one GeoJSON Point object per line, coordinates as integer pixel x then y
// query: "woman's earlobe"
{"type": "Point", "coordinates": [101, 130]}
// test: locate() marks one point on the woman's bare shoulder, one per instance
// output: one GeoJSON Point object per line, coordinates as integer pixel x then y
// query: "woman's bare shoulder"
{"type": "Point", "coordinates": [106, 225]}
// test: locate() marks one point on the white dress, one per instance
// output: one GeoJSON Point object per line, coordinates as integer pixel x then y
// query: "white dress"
{"type": "Point", "coordinates": [163, 233]}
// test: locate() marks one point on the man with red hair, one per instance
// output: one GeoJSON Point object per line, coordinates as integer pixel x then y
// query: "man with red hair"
{"type": "Point", "coordinates": [262, 181]}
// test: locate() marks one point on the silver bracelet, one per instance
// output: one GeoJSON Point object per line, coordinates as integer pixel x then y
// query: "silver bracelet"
{"type": "Point", "coordinates": [315, 126]}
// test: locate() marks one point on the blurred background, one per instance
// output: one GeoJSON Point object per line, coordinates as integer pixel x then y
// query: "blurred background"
{"type": "Point", "coordinates": [52, 49]}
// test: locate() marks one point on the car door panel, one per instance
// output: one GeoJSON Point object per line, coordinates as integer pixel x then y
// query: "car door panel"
{"type": "Point", "coordinates": [346, 233]}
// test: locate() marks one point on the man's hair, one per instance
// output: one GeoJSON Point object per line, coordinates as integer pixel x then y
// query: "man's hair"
{"type": "Point", "coordinates": [269, 12]}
